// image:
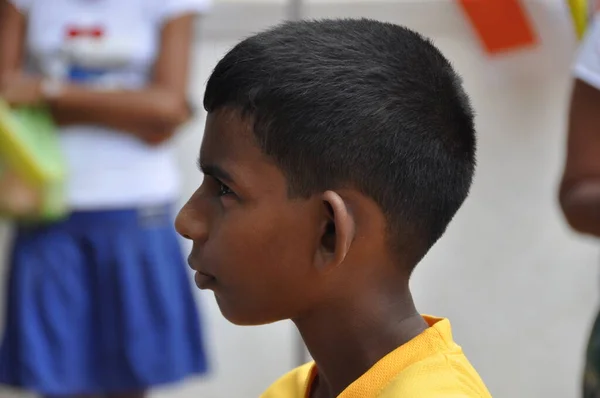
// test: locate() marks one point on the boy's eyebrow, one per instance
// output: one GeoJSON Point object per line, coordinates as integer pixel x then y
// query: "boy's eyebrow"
{"type": "Point", "coordinates": [214, 171]}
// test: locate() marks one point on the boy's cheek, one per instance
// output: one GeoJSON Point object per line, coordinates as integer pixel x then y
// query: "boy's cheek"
{"type": "Point", "coordinates": [265, 244]}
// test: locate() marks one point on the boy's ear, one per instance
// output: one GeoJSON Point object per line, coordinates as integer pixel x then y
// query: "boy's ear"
{"type": "Point", "coordinates": [337, 232]}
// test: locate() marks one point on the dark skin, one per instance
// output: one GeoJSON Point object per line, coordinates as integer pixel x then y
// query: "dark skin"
{"type": "Point", "coordinates": [322, 261]}
{"type": "Point", "coordinates": [580, 188]}
{"type": "Point", "coordinates": [152, 114]}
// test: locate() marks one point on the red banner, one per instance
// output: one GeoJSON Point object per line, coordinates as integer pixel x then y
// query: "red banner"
{"type": "Point", "coordinates": [501, 25]}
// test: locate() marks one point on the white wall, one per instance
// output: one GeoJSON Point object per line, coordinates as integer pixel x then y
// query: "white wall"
{"type": "Point", "coordinates": [520, 289]}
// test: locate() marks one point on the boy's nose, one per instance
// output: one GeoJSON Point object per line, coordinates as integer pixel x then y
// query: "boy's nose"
{"type": "Point", "coordinates": [191, 224]}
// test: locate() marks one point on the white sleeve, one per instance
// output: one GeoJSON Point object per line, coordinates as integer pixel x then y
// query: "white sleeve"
{"type": "Point", "coordinates": [21, 5]}
{"type": "Point", "coordinates": [170, 9]}
{"type": "Point", "coordinates": [587, 63]}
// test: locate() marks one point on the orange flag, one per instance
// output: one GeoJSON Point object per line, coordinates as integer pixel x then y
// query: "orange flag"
{"type": "Point", "coordinates": [502, 25]}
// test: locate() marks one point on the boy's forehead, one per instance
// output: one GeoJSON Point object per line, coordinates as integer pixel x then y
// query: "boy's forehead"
{"type": "Point", "coordinates": [229, 144]}
{"type": "Point", "coordinates": [227, 135]}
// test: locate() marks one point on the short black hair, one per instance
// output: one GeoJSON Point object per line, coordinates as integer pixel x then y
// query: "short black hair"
{"type": "Point", "coordinates": [358, 103]}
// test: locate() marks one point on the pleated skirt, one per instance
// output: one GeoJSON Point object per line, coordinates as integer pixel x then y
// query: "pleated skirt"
{"type": "Point", "coordinates": [99, 303]}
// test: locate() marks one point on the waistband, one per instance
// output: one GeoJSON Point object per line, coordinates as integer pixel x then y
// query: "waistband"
{"type": "Point", "coordinates": [144, 216]}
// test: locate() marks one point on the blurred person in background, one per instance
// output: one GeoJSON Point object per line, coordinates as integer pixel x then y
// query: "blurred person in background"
{"type": "Point", "coordinates": [580, 187]}
{"type": "Point", "coordinates": [100, 304]}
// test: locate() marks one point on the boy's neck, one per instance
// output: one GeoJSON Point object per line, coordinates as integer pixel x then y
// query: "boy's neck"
{"type": "Point", "coordinates": [347, 339]}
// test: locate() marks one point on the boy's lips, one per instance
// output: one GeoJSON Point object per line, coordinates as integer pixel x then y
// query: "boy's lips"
{"type": "Point", "coordinates": [202, 279]}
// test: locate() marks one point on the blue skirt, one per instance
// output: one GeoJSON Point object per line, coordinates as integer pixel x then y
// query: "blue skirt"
{"type": "Point", "coordinates": [100, 303]}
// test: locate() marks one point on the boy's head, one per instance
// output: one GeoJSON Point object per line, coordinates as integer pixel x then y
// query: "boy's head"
{"type": "Point", "coordinates": [335, 154]}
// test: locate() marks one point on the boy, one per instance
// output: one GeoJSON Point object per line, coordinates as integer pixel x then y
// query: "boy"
{"type": "Point", "coordinates": [335, 154]}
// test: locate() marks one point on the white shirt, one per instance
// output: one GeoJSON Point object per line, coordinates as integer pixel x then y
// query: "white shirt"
{"type": "Point", "coordinates": [110, 43]}
{"type": "Point", "coordinates": [587, 64]}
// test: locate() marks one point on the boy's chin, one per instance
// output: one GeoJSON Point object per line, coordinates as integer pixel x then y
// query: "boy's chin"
{"type": "Point", "coordinates": [244, 316]}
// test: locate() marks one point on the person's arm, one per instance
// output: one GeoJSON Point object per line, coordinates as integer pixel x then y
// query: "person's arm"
{"type": "Point", "coordinates": [579, 193]}
{"type": "Point", "coordinates": [153, 113]}
{"type": "Point", "coordinates": [12, 37]}
{"type": "Point", "coordinates": [580, 187]}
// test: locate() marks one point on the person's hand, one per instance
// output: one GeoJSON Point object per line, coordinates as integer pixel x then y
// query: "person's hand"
{"type": "Point", "coordinates": [17, 198]}
{"type": "Point", "coordinates": [21, 90]}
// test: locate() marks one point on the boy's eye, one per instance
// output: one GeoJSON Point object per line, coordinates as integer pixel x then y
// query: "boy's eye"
{"type": "Point", "coordinates": [224, 190]}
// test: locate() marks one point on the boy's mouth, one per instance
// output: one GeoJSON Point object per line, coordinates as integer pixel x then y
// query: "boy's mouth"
{"type": "Point", "coordinates": [204, 281]}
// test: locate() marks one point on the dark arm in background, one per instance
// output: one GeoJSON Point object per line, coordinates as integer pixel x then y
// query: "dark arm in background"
{"type": "Point", "coordinates": [579, 194]}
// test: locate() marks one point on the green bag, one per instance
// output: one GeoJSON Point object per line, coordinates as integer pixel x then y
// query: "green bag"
{"type": "Point", "coordinates": [32, 166]}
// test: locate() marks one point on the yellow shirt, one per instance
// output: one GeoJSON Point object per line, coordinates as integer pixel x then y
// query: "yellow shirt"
{"type": "Point", "coordinates": [430, 365]}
